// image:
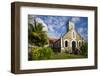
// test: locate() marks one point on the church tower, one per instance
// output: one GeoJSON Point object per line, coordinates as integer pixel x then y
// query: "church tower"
{"type": "Point", "coordinates": [70, 25]}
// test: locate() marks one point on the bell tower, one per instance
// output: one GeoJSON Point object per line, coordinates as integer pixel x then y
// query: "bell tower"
{"type": "Point", "coordinates": [70, 25]}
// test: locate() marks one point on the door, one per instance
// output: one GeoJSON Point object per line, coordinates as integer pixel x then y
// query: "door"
{"type": "Point", "coordinates": [73, 45]}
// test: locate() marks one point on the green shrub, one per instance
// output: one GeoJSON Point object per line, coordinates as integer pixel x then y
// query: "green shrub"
{"type": "Point", "coordinates": [84, 49]}
{"type": "Point", "coordinates": [68, 50]}
{"type": "Point", "coordinates": [41, 53]}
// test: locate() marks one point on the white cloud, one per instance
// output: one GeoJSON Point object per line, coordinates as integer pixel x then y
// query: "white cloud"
{"type": "Point", "coordinates": [45, 28]}
{"type": "Point", "coordinates": [51, 28]}
{"type": "Point", "coordinates": [75, 19]}
{"type": "Point", "coordinates": [80, 30]}
{"type": "Point", "coordinates": [53, 35]}
{"type": "Point", "coordinates": [31, 21]}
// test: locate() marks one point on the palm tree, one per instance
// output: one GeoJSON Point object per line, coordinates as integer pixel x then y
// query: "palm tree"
{"type": "Point", "coordinates": [36, 35]}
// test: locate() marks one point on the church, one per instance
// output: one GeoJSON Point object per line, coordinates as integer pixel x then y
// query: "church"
{"type": "Point", "coordinates": [70, 41]}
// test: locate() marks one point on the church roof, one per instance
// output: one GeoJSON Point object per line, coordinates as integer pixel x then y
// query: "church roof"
{"type": "Point", "coordinates": [70, 35]}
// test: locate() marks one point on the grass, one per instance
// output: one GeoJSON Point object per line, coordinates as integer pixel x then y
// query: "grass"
{"type": "Point", "coordinates": [66, 56]}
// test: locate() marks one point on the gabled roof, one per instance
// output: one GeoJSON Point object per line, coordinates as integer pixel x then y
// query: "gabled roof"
{"type": "Point", "coordinates": [75, 31]}
{"type": "Point", "coordinates": [52, 40]}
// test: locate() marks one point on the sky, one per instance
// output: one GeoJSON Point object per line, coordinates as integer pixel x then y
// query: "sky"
{"type": "Point", "coordinates": [56, 26]}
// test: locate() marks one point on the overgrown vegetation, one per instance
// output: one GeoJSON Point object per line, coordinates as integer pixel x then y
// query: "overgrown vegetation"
{"type": "Point", "coordinates": [41, 53]}
{"type": "Point", "coordinates": [36, 35]}
{"type": "Point", "coordinates": [38, 38]}
{"type": "Point", "coordinates": [84, 49]}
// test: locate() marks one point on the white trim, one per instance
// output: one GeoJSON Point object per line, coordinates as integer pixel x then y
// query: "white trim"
{"type": "Point", "coordinates": [79, 41]}
{"type": "Point", "coordinates": [61, 42]}
{"type": "Point", "coordinates": [72, 41]}
{"type": "Point", "coordinates": [25, 64]}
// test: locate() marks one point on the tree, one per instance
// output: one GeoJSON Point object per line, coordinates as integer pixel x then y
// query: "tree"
{"type": "Point", "coordinates": [36, 34]}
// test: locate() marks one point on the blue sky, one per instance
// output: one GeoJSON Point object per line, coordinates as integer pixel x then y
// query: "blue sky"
{"type": "Point", "coordinates": [57, 25]}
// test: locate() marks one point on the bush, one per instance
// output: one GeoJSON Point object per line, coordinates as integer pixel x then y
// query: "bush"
{"type": "Point", "coordinates": [41, 53]}
{"type": "Point", "coordinates": [68, 50]}
{"type": "Point", "coordinates": [76, 51]}
{"type": "Point", "coordinates": [84, 49]}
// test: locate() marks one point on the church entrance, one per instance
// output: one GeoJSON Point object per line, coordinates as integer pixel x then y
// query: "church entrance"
{"type": "Point", "coordinates": [73, 45]}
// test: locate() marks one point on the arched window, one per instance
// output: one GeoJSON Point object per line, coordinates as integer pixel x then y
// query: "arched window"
{"type": "Point", "coordinates": [79, 43]}
{"type": "Point", "coordinates": [66, 43]}
{"type": "Point", "coordinates": [73, 35]}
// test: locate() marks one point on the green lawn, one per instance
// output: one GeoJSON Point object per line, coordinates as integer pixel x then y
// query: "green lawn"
{"type": "Point", "coordinates": [66, 56]}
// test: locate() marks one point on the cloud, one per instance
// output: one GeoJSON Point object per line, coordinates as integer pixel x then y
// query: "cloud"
{"type": "Point", "coordinates": [52, 25]}
{"type": "Point", "coordinates": [83, 33]}
{"type": "Point", "coordinates": [55, 35]}
{"type": "Point", "coordinates": [80, 30]}
{"type": "Point", "coordinates": [56, 25]}
{"type": "Point", "coordinates": [31, 19]}
{"type": "Point", "coordinates": [75, 19]}
{"type": "Point", "coordinates": [45, 28]}
{"type": "Point", "coordinates": [51, 28]}
{"type": "Point", "coordinates": [39, 20]}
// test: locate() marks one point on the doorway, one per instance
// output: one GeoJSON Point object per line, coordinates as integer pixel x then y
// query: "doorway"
{"type": "Point", "coordinates": [73, 45]}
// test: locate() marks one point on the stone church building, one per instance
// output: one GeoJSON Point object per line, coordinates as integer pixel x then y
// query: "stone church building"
{"type": "Point", "coordinates": [70, 41]}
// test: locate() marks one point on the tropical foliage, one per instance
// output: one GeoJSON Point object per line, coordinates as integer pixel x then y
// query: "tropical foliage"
{"type": "Point", "coordinates": [38, 38]}
{"type": "Point", "coordinates": [36, 34]}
